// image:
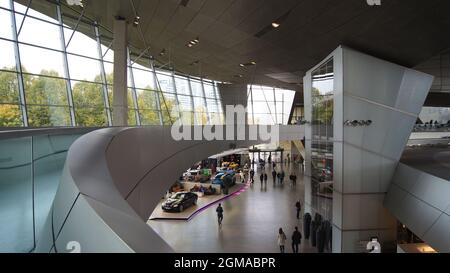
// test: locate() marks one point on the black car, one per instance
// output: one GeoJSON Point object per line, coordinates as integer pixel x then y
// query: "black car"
{"type": "Point", "coordinates": [180, 201]}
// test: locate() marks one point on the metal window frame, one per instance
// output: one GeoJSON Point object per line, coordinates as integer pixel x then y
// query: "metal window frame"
{"type": "Point", "coordinates": [22, 100]}
{"type": "Point", "coordinates": [103, 76]}
{"type": "Point", "coordinates": [133, 89]}
{"type": "Point", "coordinates": [66, 64]}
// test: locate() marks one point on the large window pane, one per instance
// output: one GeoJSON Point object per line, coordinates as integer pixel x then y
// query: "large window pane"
{"type": "Point", "coordinates": [185, 103]}
{"type": "Point", "coordinates": [196, 88]}
{"type": "Point", "coordinates": [86, 69]}
{"type": "Point", "coordinates": [143, 79]}
{"type": "Point", "coordinates": [10, 115]}
{"type": "Point", "coordinates": [47, 116]}
{"type": "Point", "coordinates": [209, 90]}
{"type": "Point", "coordinates": [80, 43]}
{"type": "Point", "coordinates": [87, 94]}
{"type": "Point", "coordinates": [109, 71]}
{"type": "Point", "coordinates": [46, 90]}
{"type": "Point", "coordinates": [37, 60]}
{"type": "Point", "coordinates": [149, 117]}
{"type": "Point", "coordinates": [7, 57]}
{"type": "Point", "coordinates": [9, 89]}
{"type": "Point", "coordinates": [146, 99]}
{"type": "Point", "coordinates": [32, 29]}
{"type": "Point", "coordinates": [182, 86]}
{"type": "Point", "coordinates": [90, 116]}
{"type": "Point", "coordinates": [5, 23]}
{"type": "Point", "coordinates": [165, 83]}
{"type": "Point", "coordinates": [33, 10]}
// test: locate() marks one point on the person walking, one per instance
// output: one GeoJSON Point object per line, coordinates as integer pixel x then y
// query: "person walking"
{"type": "Point", "coordinates": [293, 179]}
{"type": "Point", "coordinates": [265, 178]}
{"type": "Point", "coordinates": [298, 207]}
{"type": "Point", "coordinates": [274, 176]}
{"type": "Point", "coordinates": [282, 175]}
{"type": "Point", "coordinates": [252, 175]}
{"type": "Point", "coordinates": [261, 177]}
{"type": "Point", "coordinates": [296, 240]}
{"type": "Point", "coordinates": [281, 239]}
{"type": "Point", "coordinates": [219, 211]}
{"type": "Point", "coordinates": [279, 177]}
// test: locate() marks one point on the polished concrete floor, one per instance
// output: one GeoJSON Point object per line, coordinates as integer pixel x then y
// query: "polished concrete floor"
{"type": "Point", "coordinates": [251, 221]}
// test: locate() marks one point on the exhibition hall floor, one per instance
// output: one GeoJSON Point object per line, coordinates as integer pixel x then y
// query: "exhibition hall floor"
{"type": "Point", "coordinates": [251, 221]}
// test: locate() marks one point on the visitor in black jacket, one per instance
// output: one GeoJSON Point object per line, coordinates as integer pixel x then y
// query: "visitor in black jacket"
{"type": "Point", "coordinates": [296, 240]}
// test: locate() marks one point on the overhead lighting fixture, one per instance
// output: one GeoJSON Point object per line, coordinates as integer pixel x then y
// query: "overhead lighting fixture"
{"type": "Point", "coordinates": [275, 24]}
{"type": "Point", "coordinates": [193, 42]}
{"type": "Point", "coordinates": [247, 64]}
{"type": "Point", "coordinates": [75, 3]}
{"type": "Point", "coordinates": [136, 20]}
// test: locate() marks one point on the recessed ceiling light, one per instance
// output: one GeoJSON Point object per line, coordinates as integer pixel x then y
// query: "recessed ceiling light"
{"type": "Point", "coordinates": [189, 45]}
{"type": "Point", "coordinates": [196, 40]}
{"type": "Point", "coordinates": [275, 24]}
{"type": "Point", "coordinates": [252, 62]}
{"type": "Point", "coordinates": [241, 65]}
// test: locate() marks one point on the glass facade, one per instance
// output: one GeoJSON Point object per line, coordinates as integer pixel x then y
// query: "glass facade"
{"type": "Point", "coordinates": [322, 131]}
{"type": "Point", "coordinates": [65, 77]}
{"type": "Point", "coordinates": [268, 105]}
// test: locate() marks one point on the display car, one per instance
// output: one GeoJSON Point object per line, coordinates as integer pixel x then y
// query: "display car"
{"type": "Point", "coordinates": [179, 201]}
{"type": "Point", "coordinates": [222, 177]}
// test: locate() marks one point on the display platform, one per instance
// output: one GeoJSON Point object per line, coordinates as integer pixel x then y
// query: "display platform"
{"type": "Point", "coordinates": [202, 203]}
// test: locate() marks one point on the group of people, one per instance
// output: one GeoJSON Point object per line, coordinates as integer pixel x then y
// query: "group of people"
{"type": "Point", "coordinates": [296, 237]}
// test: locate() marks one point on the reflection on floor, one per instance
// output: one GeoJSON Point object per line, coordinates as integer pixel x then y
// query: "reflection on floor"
{"type": "Point", "coordinates": [202, 203]}
{"type": "Point", "coordinates": [251, 221]}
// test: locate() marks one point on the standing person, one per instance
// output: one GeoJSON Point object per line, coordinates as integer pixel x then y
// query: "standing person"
{"type": "Point", "coordinates": [265, 178]}
{"type": "Point", "coordinates": [274, 176]}
{"type": "Point", "coordinates": [282, 175]}
{"type": "Point", "coordinates": [298, 206]}
{"type": "Point", "coordinates": [261, 177]}
{"type": "Point", "coordinates": [296, 240]}
{"type": "Point", "coordinates": [252, 174]}
{"type": "Point", "coordinates": [274, 164]}
{"type": "Point", "coordinates": [293, 179]}
{"type": "Point", "coordinates": [281, 239]}
{"type": "Point", "coordinates": [219, 211]}
{"type": "Point", "coordinates": [279, 177]}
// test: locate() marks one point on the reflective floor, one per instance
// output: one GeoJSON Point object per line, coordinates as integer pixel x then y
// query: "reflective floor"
{"type": "Point", "coordinates": [251, 221]}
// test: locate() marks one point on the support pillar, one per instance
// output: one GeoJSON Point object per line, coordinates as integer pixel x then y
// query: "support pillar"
{"type": "Point", "coordinates": [120, 104]}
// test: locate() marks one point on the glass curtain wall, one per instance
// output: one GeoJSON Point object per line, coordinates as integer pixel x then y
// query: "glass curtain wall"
{"type": "Point", "coordinates": [65, 77]}
{"type": "Point", "coordinates": [322, 134]}
{"type": "Point", "coordinates": [268, 105]}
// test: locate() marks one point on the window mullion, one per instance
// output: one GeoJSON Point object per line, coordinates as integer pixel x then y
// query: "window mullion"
{"type": "Point", "coordinates": [23, 105]}
{"type": "Point", "coordinates": [103, 75]}
{"type": "Point", "coordinates": [66, 65]}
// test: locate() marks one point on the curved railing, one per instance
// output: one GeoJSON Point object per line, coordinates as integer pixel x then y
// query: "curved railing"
{"type": "Point", "coordinates": [31, 162]}
{"type": "Point", "coordinates": [113, 179]}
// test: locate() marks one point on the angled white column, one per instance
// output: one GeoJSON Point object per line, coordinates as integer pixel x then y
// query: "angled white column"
{"type": "Point", "coordinates": [364, 156]}
{"type": "Point", "coordinates": [120, 104]}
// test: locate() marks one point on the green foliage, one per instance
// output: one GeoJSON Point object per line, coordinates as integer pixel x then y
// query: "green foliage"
{"type": "Point", "coordinates": [47, 102]}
